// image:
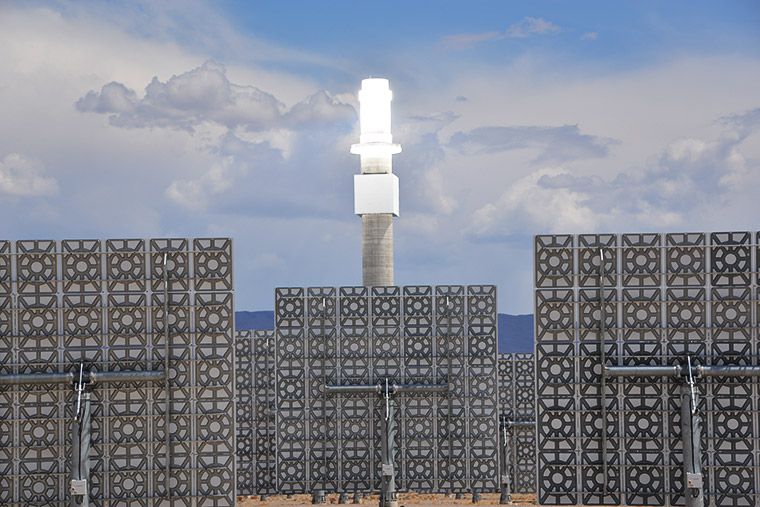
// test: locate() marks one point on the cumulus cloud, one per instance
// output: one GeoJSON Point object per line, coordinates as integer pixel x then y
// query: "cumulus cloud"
{"type": "Point", "coordinates": [23, 177]}
{"type": "Point", "coordinates": [526, 27]}
{"type": "Point", "coordinates": [318, 109]}
{"type": "Point", "coordinates": [113, 98]}
{"type": "Point", "coordinates": [184, 101]}
{"type": "Point", "coordinates": [553, 144]}
{"type": "Point", "coordinates": [206, 95]}
{"type": "Point", "coordinates": [194, 194]}
{"type": "Point", "coordinates": [529, 205]}
{"type": "Point", "coordinates": [531, 26]}
{"type": "Point", "coordinates": [689, 177]}
{"type": "Point", "coordinates": [240, 124]}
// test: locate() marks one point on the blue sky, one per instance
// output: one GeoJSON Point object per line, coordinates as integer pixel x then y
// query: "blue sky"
{"type": "Point", "coordinates": [234, 118]}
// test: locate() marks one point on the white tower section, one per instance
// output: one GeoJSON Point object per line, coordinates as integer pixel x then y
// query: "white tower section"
{"type": "Point", "coordinates": [376, 188]}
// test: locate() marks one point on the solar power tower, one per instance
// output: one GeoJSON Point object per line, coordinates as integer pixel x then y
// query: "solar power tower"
{"type": "Point", "coordinates": [672, 418]}
{"type": "Point", "coordinates": [390, 338]}
{"type": "Point", "coordinates": [517, 418]}
{"type": "Point", "coordinates": [85, 378]}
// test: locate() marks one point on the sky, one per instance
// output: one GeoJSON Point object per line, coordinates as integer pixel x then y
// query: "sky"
{"type": "Point", "coordinates": [234, 118]}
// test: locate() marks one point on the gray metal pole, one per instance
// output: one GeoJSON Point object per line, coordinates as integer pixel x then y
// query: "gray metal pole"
{"type": "Point", "coordinates": [167, 385]}
{"type": "Point", "coordinates": [96, 377]}
{"type": "Point", "coordinates": [691, 425]}
{"type": "Point", "coordinates": [642, 371]}
{"type": "Point", "coordinates": [388, 497]}
{"type": "Point", "coordinates": [393, 388]}
{"type": "Point", "coordinates": [521, 424]}
{"type": "Point", "coordinates": [506, 486]}
{"type": "Point", "coordinates": [80, 455]}
{"type": "Point", "coordinates": [377, 249]}
{"type": "Point", "coordinates": [37, 378]}
{"type": "Point", "coordinates": [357, 389]}
{"type": "Point", "coordinates": [677, 371]}
{"type": "Point", "coordinates": [603, 364]}
{"type": "Point", "coordinates": [93, 377]}
{"type": "Point", "coordinates": [419, 388]}
{"type": "Point", "coordinates": [727, 371]}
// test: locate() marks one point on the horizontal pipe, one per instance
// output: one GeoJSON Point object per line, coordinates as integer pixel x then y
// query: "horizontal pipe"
{"type": "Point", "coordinates": [420, 388]}
{"type": "Point", "coordinates": [677, 371]}
{"type": "Point", "coordinates": [520, 424]}
{"type": "Point", "coordinates": [37, 378]}
{"type": "Point", "coordinates": [92, 377]}
{"type": "Point", "coordinates": [368, 388]}
{"type": "Point", "coordinates": [393, 388]}
{"type": "Point", "coordinates": [728, 371]}
{"type": "Point", "coordinates": [642, 371]}
{"type": "Point", "coordinates": [96, 377]}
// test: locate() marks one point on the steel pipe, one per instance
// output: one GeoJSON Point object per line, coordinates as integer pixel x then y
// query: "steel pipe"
{"type": "Point", "coordinates": [37, 378]}
{"type": "Point", "coordinates": [358, 389]}
{"type": "Point", "coordinates": [520, 424]}
{"type": "Point", "coordinates": [677, 371]}
{"type": "Point", "coordinates": [642, 371]}
{"type": "Point", "coordinates": [92, 377]}
{"type": "Point", "coordinates": [419, 388]}
{"type": "Point", "coordinates": [96, 377]}
{"type": "Point", "coordinates": [728, 371]}
{"type": "Point", "coordinates": [393, 388]}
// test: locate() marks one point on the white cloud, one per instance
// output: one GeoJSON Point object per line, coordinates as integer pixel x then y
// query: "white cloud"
{"type": "Point", "coordinates": [529, 206]}
{"type": "Point", "coordinates": [184, 101]}
{"type": "Point", "coordinates": [194, 194]}
{"type": "Point", "coordinates": [524, 28]}
{"type": "Point", "coordinates": [557, 144]}
{"type": "Point", "coordinates": [468, 40]}
{"type": "Point", "coordinates": [20, 176]}
{"type": "Point", "coordinates": [589, 36]}
{"type": "Point", "coordinates": [531, 26]}
{"type": "Point", "coordinates": [690, 179]}
{"type": "Point", "coordinates": [205, 94]}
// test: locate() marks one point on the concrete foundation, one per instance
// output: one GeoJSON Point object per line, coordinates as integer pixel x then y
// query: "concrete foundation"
{"type": "Point", "coordinates": [377, 249]}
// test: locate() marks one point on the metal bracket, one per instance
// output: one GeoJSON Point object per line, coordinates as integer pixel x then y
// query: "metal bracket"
{"type": "Point", "coordinates": [694, 481]}
{"type": "Point", "coordinates": [79, 388]}
{"type": "Point", "coordinates": [78, 487]}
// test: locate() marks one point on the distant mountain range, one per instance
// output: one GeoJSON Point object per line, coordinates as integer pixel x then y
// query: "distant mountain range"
{"type": "Point", "coordinates": [515, 331]}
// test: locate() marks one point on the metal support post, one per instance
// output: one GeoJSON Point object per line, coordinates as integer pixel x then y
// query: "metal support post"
{"type": "Point", "coordinates": [79, 485]}
{"type": "Point", "coordinates": [506, 487]}
{"type": "Point", "coordinates": [318, 497]}
{"type": "Point", "coordinates": [388, 497]}
{"type": "Point", "coordinates": [691, 429]}
{"type": "Point", "coordinates": [505, 464]}
{"type": "Point", "coordinates": [603, 363]}
{"type": "Point", "coordinates": [167, 384]}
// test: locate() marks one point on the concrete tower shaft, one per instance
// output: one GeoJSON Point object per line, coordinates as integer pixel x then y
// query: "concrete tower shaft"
{"type": "Point", "coordinates": [376, 188]}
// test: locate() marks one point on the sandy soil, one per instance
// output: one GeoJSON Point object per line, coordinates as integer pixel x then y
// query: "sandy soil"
{"type": "Point", "coordinates": [421, 500]}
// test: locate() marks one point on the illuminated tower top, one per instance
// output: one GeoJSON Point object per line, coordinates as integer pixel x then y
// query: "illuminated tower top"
{"type": "Point", "coordinates": [376, 188]}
